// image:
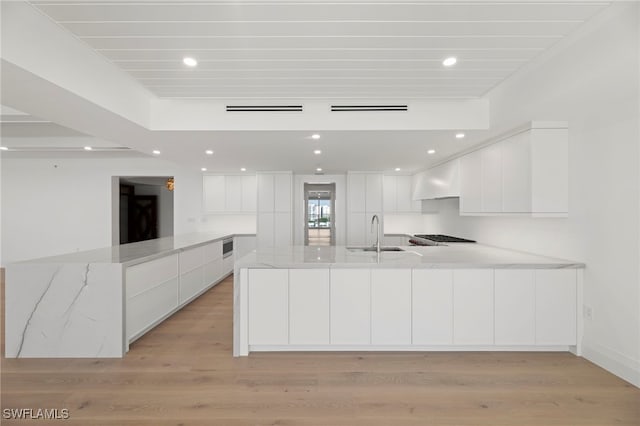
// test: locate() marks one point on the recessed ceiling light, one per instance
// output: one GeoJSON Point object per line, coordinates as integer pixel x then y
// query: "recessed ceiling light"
{"type": "Point", "coordinates": [243, 169]}
{"type": "Point", "coordinates": [190, 62]}
{"type": "Point", "coordinates": [317, 152]}
{"type": "Point", "coordinates": [459, 135]}
{"type": "Point", "coordinates": [4, 148]}
{"type": "Point", "coordinates": [319, 169]}
{"type": "Point", "coordinates": [431, 151]}
{"type": "Point", "coordinates": [397, 169]}
{"type": "Point", "coordinates": [315, 136]}
{"type": "Point", "coordinates": [209, 152]}
{"type": "Point", "coordinates": [87, 148]}
{"type": "Point", "coordinates": [156, 152]}
{"type": "Point", "coordinates": [449, 62]}
{"type": "Point", "coordinates": [203, 169]}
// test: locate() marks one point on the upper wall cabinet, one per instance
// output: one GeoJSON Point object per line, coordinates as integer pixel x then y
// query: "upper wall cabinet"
{"type": "Point", "coordinates": [397, 195]}
{"type": "Point", "coordinates": [439, 182]}
{"type": "Point", "coordinates": [229, 194]}
{"type": "Point", "coordinates": [523, 173]}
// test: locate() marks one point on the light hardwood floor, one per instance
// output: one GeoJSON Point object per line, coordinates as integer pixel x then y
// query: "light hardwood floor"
{"type": "Point", "coordinates": [183, 373]}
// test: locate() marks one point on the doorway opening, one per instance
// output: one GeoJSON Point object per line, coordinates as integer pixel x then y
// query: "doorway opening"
{"type": "Point", "coordinates": [145, 208]}
{"type": "Point", "coordinates": [319, 216]}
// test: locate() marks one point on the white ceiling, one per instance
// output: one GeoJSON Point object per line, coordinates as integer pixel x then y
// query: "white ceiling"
{"type": "Point", "coordinates": [260, 50]}
{"type": "Point", "coordinates": [319, 49]}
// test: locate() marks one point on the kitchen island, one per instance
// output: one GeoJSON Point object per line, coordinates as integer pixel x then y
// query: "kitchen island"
{"type": "Point", "coordinates": [462, 297]}
{"type": "Point", "coordinates": [95, 303]}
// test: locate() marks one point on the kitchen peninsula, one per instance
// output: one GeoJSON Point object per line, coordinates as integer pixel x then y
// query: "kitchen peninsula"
{"type": "Point", "coordinates": [455, 298]}
{"type": "Point", "coordinates": [95, 303]}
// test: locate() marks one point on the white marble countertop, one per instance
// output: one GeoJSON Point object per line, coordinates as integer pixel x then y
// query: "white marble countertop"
{"type": "Point", "coordinates": [134, 253]}
{"type": "Point", "coordinates": [459, 255]}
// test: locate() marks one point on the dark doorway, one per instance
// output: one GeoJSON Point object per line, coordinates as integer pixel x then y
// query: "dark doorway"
{"type": "Point", "coordinates": [146, 209]}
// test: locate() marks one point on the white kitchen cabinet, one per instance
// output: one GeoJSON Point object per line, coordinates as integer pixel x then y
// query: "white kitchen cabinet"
{"type": "Point", "coordinates": [516, 174]}
{"type": "Point", "coordinates": [364, 195]}
{"type": "Point", "coordinates": [275, 219]}
{"type": "Point", "coordinates": [249, 193]}
{"type": "Point", "coordinates": [525, 171]}
{"type": "Point", "coordinates": [442, 181]}
{"type": "Point", "coordinates": [514, 307]}
{"type": "Point", "coordinates": [491, 179]}
{"type": "Point", "coordinates": [432, 306]}
{"type": "Point", "coordinates": [556, 309]}
{"type": "Point", "coordinates": [226, 194]}
{"type": "Point", "coordinates": [227, 265]}
{"type": "Point", "coordinates": [398, 195]}
{"type": "Point", "coordinates": [268, 294]}
{"type": "Point", "coordinates": [470, 183]}
{"type": "Point", "coordinates": [309, 307]}
{"type": "Point", "coordinates": [391, 306]}
{"type": "Point", "coordinates": [473, 307]}
{"type": "Point", "coordinates": [350, 298]}
{"type": "Point", "coordinates": [191, 266]}
{"type": "Point", "coordinates": [151, 293]}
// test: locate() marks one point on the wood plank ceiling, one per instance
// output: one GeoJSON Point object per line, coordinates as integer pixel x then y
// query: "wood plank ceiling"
{"type": "Point", "coordinates": [321, 49]}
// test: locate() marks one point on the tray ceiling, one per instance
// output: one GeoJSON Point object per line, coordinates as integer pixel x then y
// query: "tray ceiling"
{"type": "Point", "coordinates": [319, 49]}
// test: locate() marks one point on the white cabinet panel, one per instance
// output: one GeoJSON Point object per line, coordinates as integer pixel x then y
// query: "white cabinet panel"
{"type": "Point", "coordinates": [233, 193]}
{"type": "Point", "coordinates": [214, 193]}
{"type": "Point", "coordinates": [266, 232]}
{"type": "Point", "coordinates": [356, 192]}
{"type": "Point", "coordinates": [390, 306]}
{"type": "Point", "coordinates": [374, 191]}
{"type": "Point", "coordinates": [227, 265]}
{"type": "Point", "coordinates": [389, 194]}
{"type": "Point", "coordinates": [357, 229]}
{"type": "Point", "coordinates": [471, 183]}
{"type": "Point", "coordinates": [266, 192]}
{"type": "Point", "coordinates": [550, 171]}
{"type": "Point", "coordinates": [516, 174]}
{"type": "Point", "coordinates": [146, 308]}
{"type": "Point", "coordinates": [243, 245]}
{"type": "Point", "coordinates": [515, 307]}
{"type": "Point", "coordinates": [212, 271]}
{"type": "Point", "coordinates": [309, 306]}
{"type": "Point", "coordinates": [283, 231]}
{"type": "Point", "coordinates": [491, 185]}
{"type": "Point", "coordinates": [191, 283]}
{"type": "Point", "coordinates": [473, 306]}
{"type": "Point", "coordinates": [350, 306]}
{"type": "Point", "coordinates": [191, 259]}
{"type": "Point", "coordinates": [142, 277]}
{"type": "Point", "coordinates": [555, 306]}
{"type": "Point", "coordinates": [212, 251]}
{"type": "Point", "coordinates": [249, 194]}
{"type": "Point", "coordinates": [268, 306]}
{"type": "Point", "coordinates": [432, 306]}
{"type": "Point", "coordinates": [282, 195]}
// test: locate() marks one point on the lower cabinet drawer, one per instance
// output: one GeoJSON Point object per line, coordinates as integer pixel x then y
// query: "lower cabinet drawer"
{"type": "Point", "coordinates": [150, 306]}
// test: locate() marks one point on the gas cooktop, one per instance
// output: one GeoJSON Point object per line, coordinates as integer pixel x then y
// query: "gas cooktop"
{"type": "Point", "coordinates": [439, 238]}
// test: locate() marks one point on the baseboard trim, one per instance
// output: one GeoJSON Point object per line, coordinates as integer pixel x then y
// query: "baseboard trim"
{"type": "Point", "coordinates": [622, 366]}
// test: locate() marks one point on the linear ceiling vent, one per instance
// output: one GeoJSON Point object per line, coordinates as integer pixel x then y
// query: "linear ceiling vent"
{"type": "Point", "coordinates": [342, 108]}
{"type": "Point", "coordinates": [264, 108]}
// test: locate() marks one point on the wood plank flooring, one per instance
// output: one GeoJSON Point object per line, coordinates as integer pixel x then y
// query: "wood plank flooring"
{"type": "Point", "coordinates": [183, 373]}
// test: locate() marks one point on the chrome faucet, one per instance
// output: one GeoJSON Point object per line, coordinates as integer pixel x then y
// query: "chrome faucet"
{"type": "Point", "coordinates": [377, 243]}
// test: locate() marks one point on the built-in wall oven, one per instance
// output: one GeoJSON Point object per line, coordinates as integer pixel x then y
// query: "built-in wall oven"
{"type": "Point", "coordinates": [227, 248]}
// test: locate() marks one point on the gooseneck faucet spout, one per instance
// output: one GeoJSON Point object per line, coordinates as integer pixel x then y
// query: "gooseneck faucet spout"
{"type": "Point", "coordinates": [377, 243]}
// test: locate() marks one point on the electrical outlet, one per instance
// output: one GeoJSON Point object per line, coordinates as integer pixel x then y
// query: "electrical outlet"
{"type": "Point", "coordinates": [587, 312]}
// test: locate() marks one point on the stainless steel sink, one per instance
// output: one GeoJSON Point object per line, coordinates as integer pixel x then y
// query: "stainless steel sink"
{"type": "Point", "coordinates": [374, 249]}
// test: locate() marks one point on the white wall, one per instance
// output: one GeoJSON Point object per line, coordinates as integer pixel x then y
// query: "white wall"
{"type": "Point", "coordinates": [594, 85]}
{"type": "Point", "coordinates": [340, 209]}
{"type": "Point", "coordinates": [403, 223]}
{"type": "Point", "coordinates": [238, 223]}
{"type": "Point", "coordinates": [56, 206]}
